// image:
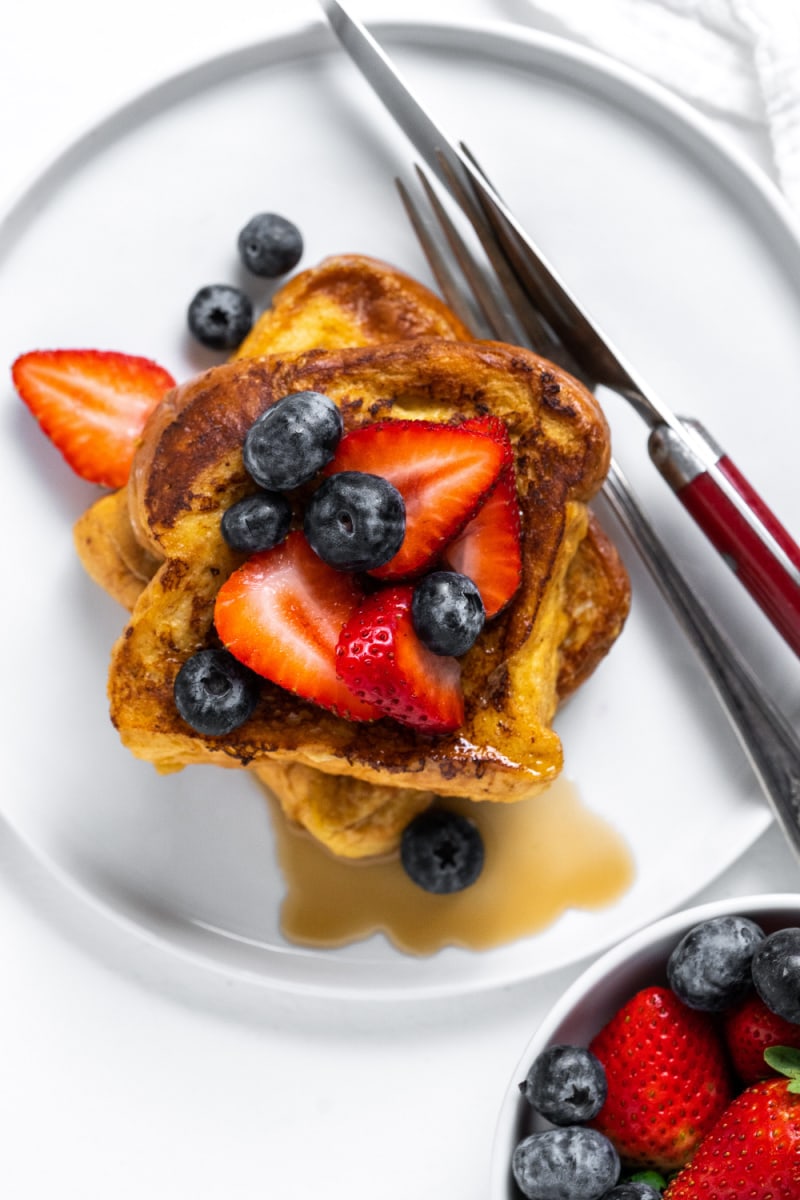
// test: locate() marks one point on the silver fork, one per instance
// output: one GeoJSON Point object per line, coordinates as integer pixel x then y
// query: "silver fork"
{"type": "Point", "coordinates": [489, 300]}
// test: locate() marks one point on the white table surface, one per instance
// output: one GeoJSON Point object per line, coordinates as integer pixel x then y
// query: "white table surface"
{"type": "Point", "coordinates": [126, 1071]}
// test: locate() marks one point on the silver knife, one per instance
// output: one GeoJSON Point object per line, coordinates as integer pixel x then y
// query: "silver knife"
{"type": "Point", "coordinates": [762, 554]}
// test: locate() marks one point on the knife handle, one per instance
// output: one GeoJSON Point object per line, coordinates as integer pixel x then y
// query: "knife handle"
{"type": "Point", "coordinates": [757, 548]}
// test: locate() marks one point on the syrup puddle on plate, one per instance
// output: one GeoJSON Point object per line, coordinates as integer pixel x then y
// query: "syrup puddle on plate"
{"type": "Point", "coordinates": [543, 856]}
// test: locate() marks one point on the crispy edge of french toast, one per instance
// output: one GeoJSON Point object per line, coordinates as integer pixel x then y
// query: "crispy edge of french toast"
{"type": "Point", "coordinates": [350, 300]}
{"type": "Point", "coordinates": [109, 550]}
{"type": "Point", "coordinates": [597, 600]}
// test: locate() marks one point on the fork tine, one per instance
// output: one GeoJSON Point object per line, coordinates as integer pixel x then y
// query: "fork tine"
{"type": "Point", "coordinates": [451, 289]}
{"type": "Point", "coordinates": [501, 308]}
{"type": "Point", "coordinates": [499, 320]}
{"type": "Point", "coordinates": [519, 319]}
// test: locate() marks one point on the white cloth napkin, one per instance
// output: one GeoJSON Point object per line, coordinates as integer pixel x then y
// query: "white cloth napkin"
{"type": "Point", "coordinates": [735, 58]}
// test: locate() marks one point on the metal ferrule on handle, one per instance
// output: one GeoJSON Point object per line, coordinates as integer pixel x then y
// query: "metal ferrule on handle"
{"type": "Point", "coordinates": [736, 521]}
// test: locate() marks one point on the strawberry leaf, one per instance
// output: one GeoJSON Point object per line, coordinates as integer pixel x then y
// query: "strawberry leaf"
{"type": "Point", "coordinates": [787, 1061]}
{"type": "Point", "coordinates": [656, 1181]}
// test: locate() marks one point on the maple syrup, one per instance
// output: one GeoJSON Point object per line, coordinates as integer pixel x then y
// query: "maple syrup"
{"type": "Point", "coordinates": [543, 856]}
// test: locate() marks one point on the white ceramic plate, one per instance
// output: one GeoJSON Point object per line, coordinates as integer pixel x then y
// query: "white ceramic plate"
{"type": "Point", "coordinates": [683, 253]}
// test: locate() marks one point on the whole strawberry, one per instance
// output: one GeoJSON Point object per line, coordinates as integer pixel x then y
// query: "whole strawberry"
{"type": "Point", "coordinates": [754, 1149]}
{"type": "Point", "coordinates": [749, 1030]}
{"type": "Point", "coordinates": [668, 1079]}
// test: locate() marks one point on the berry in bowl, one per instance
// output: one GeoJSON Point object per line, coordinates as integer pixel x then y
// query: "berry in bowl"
{"type": "Point", "coordinates": [670, 1068]}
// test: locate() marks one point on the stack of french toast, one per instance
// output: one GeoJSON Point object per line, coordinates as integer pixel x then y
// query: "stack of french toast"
{"type": "Point", "coordinates": [382, 347]}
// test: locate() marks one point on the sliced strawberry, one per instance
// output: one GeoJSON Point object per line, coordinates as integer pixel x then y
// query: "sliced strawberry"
{"type": "Point", "coordinates": [488, 549]}
{"type": "Point", "coordinates": [382, 661]}
{"type": "Point", "coordinates": [92, 404]}
{"type": "Point", "coordinates": [442, 472]}
{"type": "Point", "coordinates": [495, 428]}
{"type": "Point", "coordinates": [281, 614]}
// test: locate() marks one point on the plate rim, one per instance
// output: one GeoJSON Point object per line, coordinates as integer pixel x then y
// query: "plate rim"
{"type": "Point", "coordinates": [249, 56]}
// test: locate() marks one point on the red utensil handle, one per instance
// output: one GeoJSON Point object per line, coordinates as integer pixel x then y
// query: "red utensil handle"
{"type": "Point", "coordinates": [766, 579]}
{"type": "Point", "coordinates": [772, 578]}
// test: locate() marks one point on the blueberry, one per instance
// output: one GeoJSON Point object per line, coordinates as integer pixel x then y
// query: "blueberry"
{"type": "Point", "coordinates": [447, 612]}
{"type": "Point", "coordinates": [214, 692]}
{"type": "Point", "coordinates": [442, 851]}
{"type": "Point", "coordinates": [258, 522]}
{"type": "Point", "coordinates": [220, 316]}
{"type": "Point", "coordinates": [292, 440]}
{"type": "Point", "coordinates": [633, 1190]}
{"type": "Point", "coordinates": [270, 245]}
{"type": "Point", "coordinates": [709, 969]}
{"type": "Point", "coordinates": [355, 521]}
{"type": "Point", "coordinates": [566, 1084]}
{"type": "Point", "coordinates": [776, 973]}
{"type": "Point", "coordinates": [565, 1164]}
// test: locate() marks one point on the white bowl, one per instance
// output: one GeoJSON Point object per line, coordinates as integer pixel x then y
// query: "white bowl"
{"type": "Point", "coordinates": [596, 995]}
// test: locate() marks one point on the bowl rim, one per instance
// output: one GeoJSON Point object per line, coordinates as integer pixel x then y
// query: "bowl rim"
{"type": "Point", "coordinates": [761, 906]}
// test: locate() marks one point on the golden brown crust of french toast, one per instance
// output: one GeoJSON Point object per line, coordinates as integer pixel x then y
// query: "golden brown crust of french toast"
{"type": "Point", "coordinates": [597, 596]}
{"type": "Point", "coordinates": [189, 469]}
{"type": "Point", "coordinates": [109, 550]}
{"type": "Point", "coordinates": [350, 300]}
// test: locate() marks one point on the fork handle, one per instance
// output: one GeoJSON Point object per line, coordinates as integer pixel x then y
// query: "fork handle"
{"type": "Point", "coordinates": [759, 551]}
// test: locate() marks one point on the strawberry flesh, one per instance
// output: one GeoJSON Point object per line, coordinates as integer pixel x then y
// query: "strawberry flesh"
{"type": "Point", "coordinates": [495, 428]}
{"type": "Point", "coordinates": [488, 549]}
{"type": "Point", "coordinates": [92, 404]}
{"type": "Point", "coordinates": [383, 662]}
{"type": "Point", "coordinates": [443, 472]}
{"type": "Point", "coordinates": [281, 614]}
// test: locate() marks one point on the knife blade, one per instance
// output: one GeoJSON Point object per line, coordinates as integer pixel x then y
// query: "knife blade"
{"type": "Point", "coordinates": [729, 511]}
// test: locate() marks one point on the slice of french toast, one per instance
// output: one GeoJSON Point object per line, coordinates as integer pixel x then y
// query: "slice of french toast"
{"type": "Point", "coordinates": [189, 470]}
{"type": "Point", "coordinates": [354, 786]}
